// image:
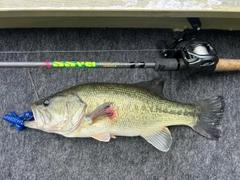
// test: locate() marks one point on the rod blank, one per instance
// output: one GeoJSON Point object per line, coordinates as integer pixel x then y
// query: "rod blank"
{"type": "Point", "coordinates": [22, 64]}
{"type": "Point", "coordinates": [76, 64]}
{"type": "Point", "coordinates": [165, 64]}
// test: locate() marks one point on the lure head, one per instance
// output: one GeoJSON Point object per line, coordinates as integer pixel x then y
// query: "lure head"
{"type": "Point", "coordinates": [60, 113]}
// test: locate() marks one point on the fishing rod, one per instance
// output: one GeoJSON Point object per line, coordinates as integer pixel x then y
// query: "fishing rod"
{"type": "Point", "coordinates": [182, 54]}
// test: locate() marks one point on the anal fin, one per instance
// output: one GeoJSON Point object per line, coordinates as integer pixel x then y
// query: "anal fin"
{"type": "Point", "coordinates": [162, 140]}
{"type": "Point", "coordinates": [105, 136]}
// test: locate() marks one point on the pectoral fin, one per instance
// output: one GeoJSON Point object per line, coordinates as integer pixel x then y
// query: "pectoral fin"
{"type": "Point", "coordinates": [105, 136]}
{"type": "Point", "coordinates": [103, 110]}
{"type": "Point", "coordinates": [161, 140]}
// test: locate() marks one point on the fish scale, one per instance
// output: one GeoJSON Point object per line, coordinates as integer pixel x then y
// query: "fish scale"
{"type": "Point", "coordinates": [135, 108]}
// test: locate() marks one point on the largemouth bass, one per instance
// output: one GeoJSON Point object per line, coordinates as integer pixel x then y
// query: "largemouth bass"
{"type": "Point", "coordinates": [103, 111]}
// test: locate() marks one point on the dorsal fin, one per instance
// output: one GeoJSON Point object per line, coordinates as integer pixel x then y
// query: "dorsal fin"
{"type": "Point", "coordinates": [155, 85]}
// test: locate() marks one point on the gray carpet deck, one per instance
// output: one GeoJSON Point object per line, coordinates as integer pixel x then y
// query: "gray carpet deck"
{"type": "Point", "coordinates": [33, 154]}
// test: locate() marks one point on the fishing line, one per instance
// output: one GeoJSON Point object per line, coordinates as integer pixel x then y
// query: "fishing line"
{"type": "Point", "coordinates": [82, 51]}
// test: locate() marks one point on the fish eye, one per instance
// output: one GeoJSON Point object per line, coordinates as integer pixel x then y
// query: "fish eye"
{"type": "Point", "coordinates": [46, 102]}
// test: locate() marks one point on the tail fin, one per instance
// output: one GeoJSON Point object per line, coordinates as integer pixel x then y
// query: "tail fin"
{"type": "Point", "coordinates": [211, 113]}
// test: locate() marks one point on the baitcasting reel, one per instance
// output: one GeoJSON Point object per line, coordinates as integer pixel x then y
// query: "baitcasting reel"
{"type": "Point", "coordinates": [189, 54]}
{"type": "Point", "coordinates": [199, 55]}
{"type": "Point", "coordinates": [193, 54]}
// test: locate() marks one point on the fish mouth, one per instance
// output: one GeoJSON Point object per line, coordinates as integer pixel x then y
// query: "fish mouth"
{"type": "Point", "coordinates": [40, 116]}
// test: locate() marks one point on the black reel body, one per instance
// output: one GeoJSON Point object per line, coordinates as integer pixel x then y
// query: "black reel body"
{"type": "Point", "coordinates": [198, 55]}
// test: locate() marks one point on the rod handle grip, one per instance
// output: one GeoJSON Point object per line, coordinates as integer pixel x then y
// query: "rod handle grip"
{"type": "Point", "coordinates": [228, 65]}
